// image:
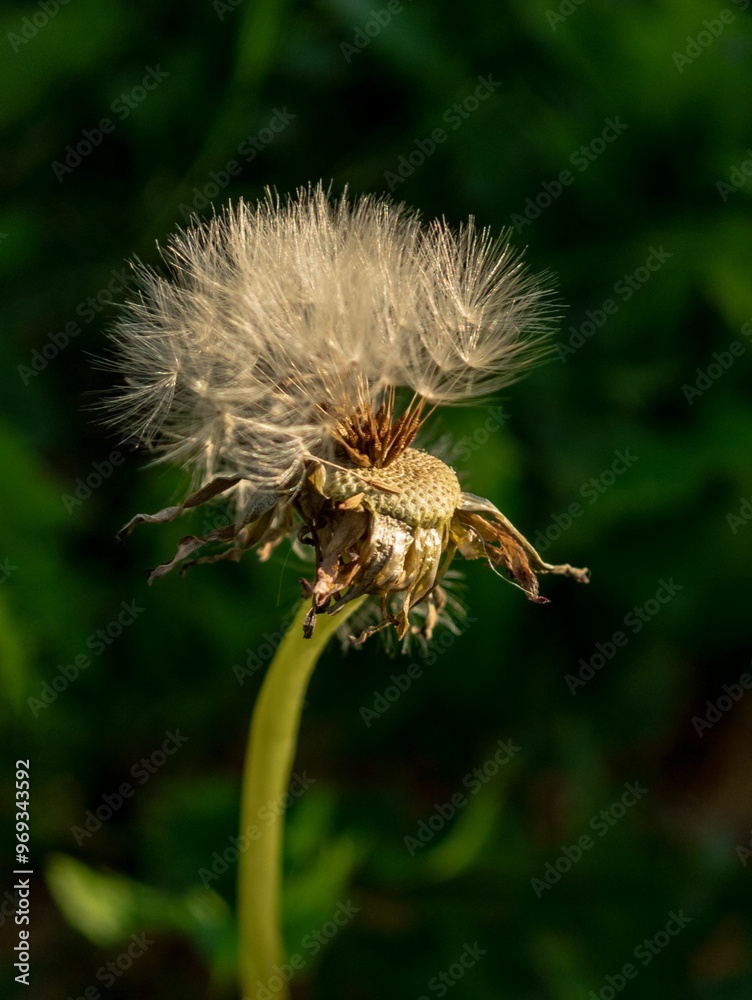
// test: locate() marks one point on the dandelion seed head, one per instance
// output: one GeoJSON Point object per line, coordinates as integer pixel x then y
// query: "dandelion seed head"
{"type": "Point", "coordinates": [275, 320]}
{"type": "Point", "coordinates": [289, 356]}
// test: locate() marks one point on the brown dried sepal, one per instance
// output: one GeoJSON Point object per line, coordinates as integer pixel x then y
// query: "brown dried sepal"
{"type": "Point", "coordinates": [208, 492]}
{"type": "Point", "coordinates": [266, 530]}
{"type": "Point", "coordinates": [495, 538]}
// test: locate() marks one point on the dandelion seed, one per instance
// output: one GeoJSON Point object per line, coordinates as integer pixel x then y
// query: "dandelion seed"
{"type": "Point", "coordinates": [290, 359]}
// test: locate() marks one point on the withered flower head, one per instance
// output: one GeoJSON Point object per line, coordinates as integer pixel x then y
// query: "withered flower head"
{"type": "Point", "coordinates": [291, 358]}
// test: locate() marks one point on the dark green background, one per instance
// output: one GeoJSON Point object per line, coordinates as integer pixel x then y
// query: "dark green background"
{"type": "Point", "coordinates": [504, 678]}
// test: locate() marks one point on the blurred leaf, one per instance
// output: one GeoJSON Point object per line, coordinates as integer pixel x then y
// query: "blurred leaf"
{"type": "Point", "coordinates": [107, 908]}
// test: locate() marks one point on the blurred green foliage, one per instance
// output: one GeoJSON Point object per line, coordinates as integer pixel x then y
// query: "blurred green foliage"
{"type": "Point", "coordinates": [359, 91]}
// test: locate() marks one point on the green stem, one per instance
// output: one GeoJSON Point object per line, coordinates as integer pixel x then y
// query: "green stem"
{"type": "Point", "coordinates": [266, 777]}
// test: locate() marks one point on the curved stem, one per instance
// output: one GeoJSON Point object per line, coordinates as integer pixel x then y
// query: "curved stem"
{"type": "Point", "coordinates": [266, 777]}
